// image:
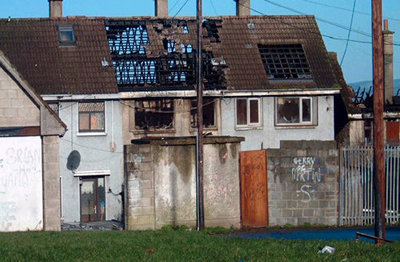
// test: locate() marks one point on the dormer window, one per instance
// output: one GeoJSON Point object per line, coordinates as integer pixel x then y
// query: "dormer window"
{"type": "Point", "coordinates": [285, 62]}
{"type": "Point", "coordinates": [66, 35]}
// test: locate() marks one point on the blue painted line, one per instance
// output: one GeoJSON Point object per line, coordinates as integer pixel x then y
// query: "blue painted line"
{"type": "Point", "coordinates": [392, 233]}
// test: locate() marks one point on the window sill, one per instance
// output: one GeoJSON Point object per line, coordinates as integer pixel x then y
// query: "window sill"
{"type": "Point", "coordinates": [296, 126]}
{"type": "Point", "coordinates": [157, 131]}
{"type": "Point", "coordinates": [91, 134]}
{"type": "Point", "coordinates": [246, 128]}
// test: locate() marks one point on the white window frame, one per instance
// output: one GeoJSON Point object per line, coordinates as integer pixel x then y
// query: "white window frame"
{"type": "Point", "coordinates": [313, 112]}
{"type": "Point", "coordinates": [249, 125]}
{"type": "Point", "coordinates": [92, 133]}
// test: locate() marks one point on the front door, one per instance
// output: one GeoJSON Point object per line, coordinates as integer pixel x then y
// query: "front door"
{"type": "Point", "coordinates": [92, 199]}
{"type": "Point", "coordinates": [254, 189]}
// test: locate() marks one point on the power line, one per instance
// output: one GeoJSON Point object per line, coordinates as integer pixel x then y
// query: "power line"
{"type": "Point", "coordinates": [213, 7]}
{"type": "Point", "coordinates": [319, 19]}
{"type": "Point", "coordinates": [174, 5]}
{"type": "Point", "coordinates": [310, 31]}
{"type": "Point", "coordinates": [346, 9]}
{"type": "Point", "coordinates": [180, 9]}
{"type": "Point", "coordinates": [348, 35]}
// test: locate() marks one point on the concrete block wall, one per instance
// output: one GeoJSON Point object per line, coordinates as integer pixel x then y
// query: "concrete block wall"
{"type": "Point", "coordinates": [140, 206]}
{"type": "Point", "coordinates": [51, 183]}
{"type": "Point", "coordinates": [303, 183]}
{"type": "Point", "coordinates": [161, 185]}
{"type": "Point", "coordinates": [16, 109]}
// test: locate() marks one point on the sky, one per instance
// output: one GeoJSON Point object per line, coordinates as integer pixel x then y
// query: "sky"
{"type": "Point", "coordinates": [333, 17]}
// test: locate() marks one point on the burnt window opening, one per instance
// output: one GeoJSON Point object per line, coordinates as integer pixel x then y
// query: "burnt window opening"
{"type": "Point", "coordinates": [209, 117]}
{"type": "Point", "coordinates": [285, 62]}
{"type": "Point", "coordinates": [66, 35]}
{"type": "Point", "coordinates": [154, 114]}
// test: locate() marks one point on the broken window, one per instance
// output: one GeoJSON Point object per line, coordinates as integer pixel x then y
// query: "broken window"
{"type": "Point", "coordinates": [91, 117]}
{"type": "Point", "coordinates": [154, 114]}
{"type": "Point", "coordinates": [66, 35]}
{"type": "Point", "coordinates": [285, 62]}
{"type": "Point", "coordinates": [295, 110]}
{"type": "Point", "coordinates": [248, 112]}
{"type": "Point", "coordinates": [209, 118]}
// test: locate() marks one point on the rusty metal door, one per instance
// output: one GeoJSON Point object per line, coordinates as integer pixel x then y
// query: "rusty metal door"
{"type": "Point", "coordinates": [254, 188]}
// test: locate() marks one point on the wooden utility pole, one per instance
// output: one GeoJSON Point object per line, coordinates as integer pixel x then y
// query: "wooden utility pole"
{"type": "Point", "coordinates": [379, 147]}
{"type": "Point", "coordinates": [199, 137]}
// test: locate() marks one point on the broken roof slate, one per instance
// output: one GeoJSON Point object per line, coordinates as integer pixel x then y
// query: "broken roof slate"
{"type": "Point", "coordinates": [33, 47]}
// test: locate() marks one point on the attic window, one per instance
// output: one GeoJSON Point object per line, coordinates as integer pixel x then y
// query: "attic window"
{"type": "Point", "coordinates": [66, 35]}
{"type": "Point", "coordinates": [285, 62]}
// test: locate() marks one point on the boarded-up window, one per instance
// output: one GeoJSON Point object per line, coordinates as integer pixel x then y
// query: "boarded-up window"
{"type": "Point", "coordinates": [295, 111]}
{"type": "Point", "coordinates": [248, 112]}
{"type": "Point", "coordinates": [392, 132]}
{"type": "Point", "coordinates": [208, 113]}
{"type": "Point", "coordinates": [154, 114]}
{"type": "Point", "coordinates": [91, 117]}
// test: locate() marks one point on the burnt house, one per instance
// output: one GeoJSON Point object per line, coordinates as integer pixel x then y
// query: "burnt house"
{"type": "Point", "coordinates": [358, 102]}
{"type": "Point", "coordinates": [114, 80]}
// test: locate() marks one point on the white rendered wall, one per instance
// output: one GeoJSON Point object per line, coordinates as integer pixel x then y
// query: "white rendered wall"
{"type": "Point", "coordinates": [268, 135]}
{"type": "Point", "coordinates": [99, 152]}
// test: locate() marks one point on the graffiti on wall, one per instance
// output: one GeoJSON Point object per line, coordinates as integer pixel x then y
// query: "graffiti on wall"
{"type": "Point", "coordinates": [21, 205]}
{"type": "Point", "coordinates": [309, 172]}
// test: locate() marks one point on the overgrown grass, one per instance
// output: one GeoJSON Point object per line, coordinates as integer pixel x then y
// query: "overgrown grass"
{"type": "Point", "coordinates": [178, 245]}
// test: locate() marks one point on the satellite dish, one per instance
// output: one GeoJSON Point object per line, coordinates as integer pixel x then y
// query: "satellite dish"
{"type": "Point", "coordinates": [74, 159]}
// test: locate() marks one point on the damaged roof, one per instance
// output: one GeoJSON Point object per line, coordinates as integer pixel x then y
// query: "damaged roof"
{"type": "Point", "coordinates": [107, 55]}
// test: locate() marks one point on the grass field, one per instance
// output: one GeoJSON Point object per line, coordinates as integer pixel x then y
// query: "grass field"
{"type": "Point", "coordinates": [178, 245]}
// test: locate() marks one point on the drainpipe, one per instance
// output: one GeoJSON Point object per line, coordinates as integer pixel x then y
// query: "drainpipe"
{"type": "Point", "coordinates": [388, 63]}
{"type": "Point", "coordinates": [242, 7]}
{"type": "Point", "coordinates": [161, 8]}
{"type": "Point", "coordinates": [55, 8]}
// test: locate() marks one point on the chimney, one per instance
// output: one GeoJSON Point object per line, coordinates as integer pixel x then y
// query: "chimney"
{"type": "Point", "coordinates": [242, 7]}
{"type": "Point", "coordinates": [55, 8]}
{"type": "Point", "coordinates": [161, 8]}
{"type": "Point", "coordinates": [388, 63]}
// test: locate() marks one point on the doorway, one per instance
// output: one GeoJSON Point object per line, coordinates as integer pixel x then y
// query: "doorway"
{"type": "Point", "coordinates": [254, 188]}
{"type": "Point", "coordinates": [92, 199]}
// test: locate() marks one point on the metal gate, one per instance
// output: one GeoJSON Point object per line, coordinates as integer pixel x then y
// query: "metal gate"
{"type": "Point", "coordinates": [356, 185]}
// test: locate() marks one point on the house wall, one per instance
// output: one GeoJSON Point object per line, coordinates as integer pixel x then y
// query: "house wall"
{"type": "Point", "coordinates": [303, 183]}
{"type": "Point", "coordinates": [16, 109]}
{"type": "Point", "coordinates": [356, 132]}
{"type": "Point", "coordinates": [161, 187]}
{"type": "Point", "coordinates": [99, 152]}
{"type": "Point", "coordinates": [29, 178]}
{"type": "Point", "coordinates": [269, 136]}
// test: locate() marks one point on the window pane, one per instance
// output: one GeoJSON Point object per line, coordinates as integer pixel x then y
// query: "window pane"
{"type": "Point", "coordinates": [97, 121]}
{"type": "Point", "coordinates": [83, 121]}
{"type": "Point", "coordinates": [254, 111]}
{"type": "Point", "coordinates": [66, 36]}
{"type": "Point", "coordinates": [241, 111]}
{"type": "Point", "coordinates": [306, 103]}
{"type": "Point", "coordinates": [288, 110]}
